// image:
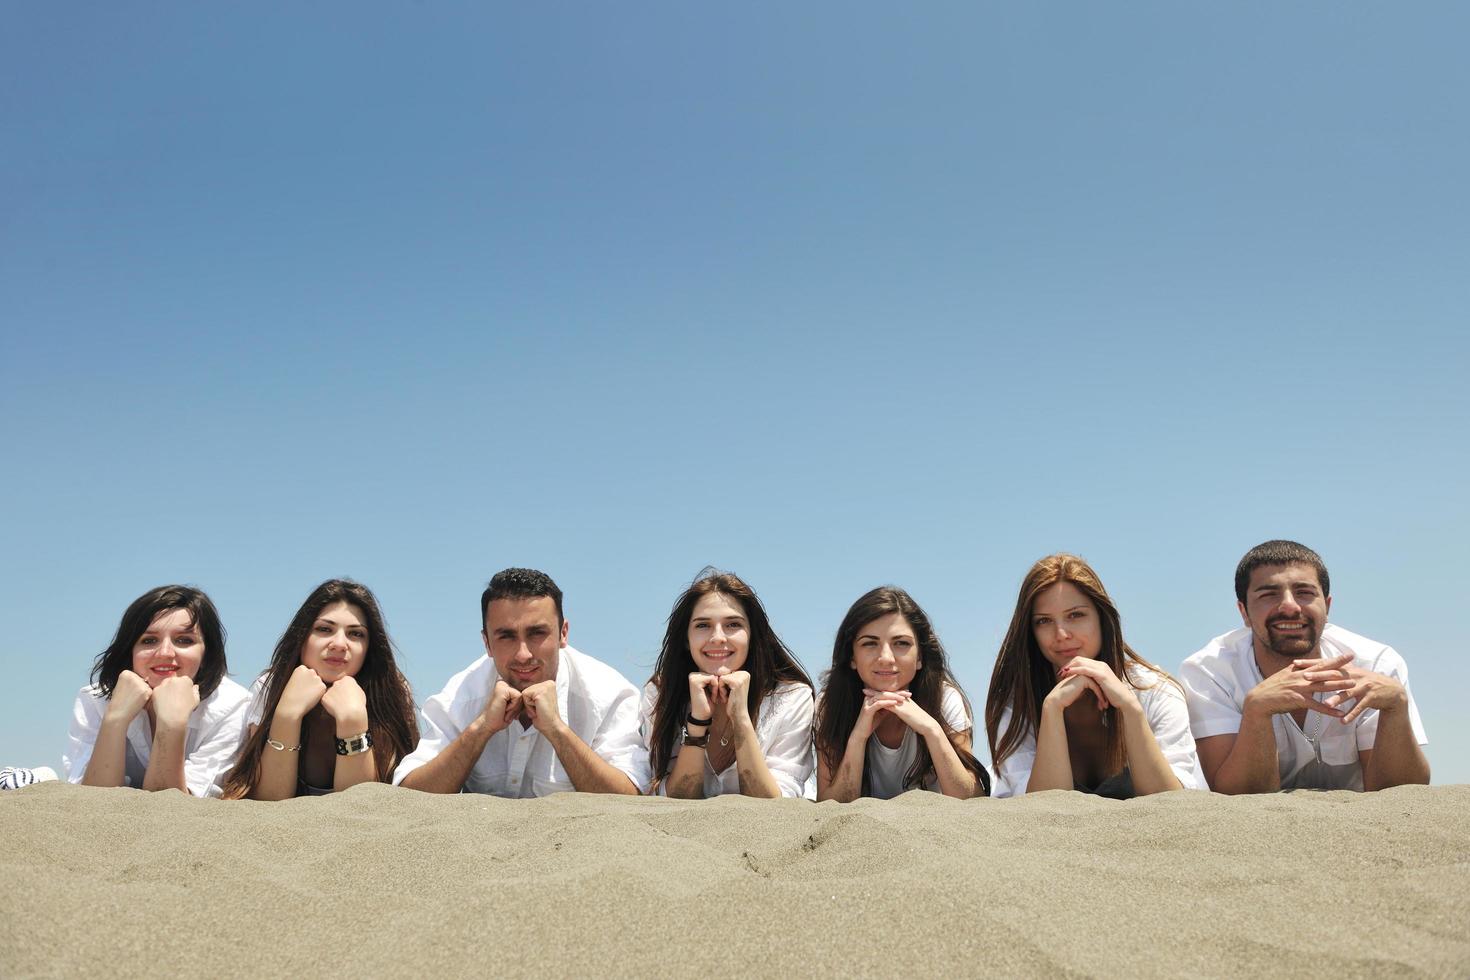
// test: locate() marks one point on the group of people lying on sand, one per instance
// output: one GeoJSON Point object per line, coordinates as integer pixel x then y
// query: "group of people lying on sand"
{"type": "Point", "coordinates": [1286, 701]}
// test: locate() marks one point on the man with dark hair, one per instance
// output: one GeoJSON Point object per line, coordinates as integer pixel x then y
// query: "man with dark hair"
{"type": "Point", "coordinates": [532, 716]}
{"type": "Point", "coordinates": [1290, 701]}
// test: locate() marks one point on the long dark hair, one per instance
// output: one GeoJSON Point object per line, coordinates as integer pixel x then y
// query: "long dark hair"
{"type": "Point", "coordinates": [768, 661]}
{"type": "Point", "coordinates": [1023, 678]}
{"type": "Point", "coordinates": [118, 656]}
{"type": "Point", "coordinates": [842, 688]}
{"type": "Point", "coordinates": [389, 701]}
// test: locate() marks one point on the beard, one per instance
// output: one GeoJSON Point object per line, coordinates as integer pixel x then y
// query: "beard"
{"type": "Point", "coordinates": [1295, 645]}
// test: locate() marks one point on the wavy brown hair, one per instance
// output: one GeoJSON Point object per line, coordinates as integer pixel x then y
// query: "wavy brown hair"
{"type": "Point", "coordinates": [1023, 678]}
{"type": "Point", "coordinates": [769, 662]}
{"type": "Point", "coordinates": [140, 614]}
{"type": "Point", "coordinates": [842, 689]}
{"type": "Point", "coordinates": [391, 720]}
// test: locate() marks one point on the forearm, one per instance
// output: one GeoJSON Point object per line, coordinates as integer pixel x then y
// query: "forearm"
{"type": "Point", "coordinates": [589, 772]}
{"type": "Point", "coordinates": [846, 783]}
{"type": "Point", "coordinates": [108, 764]}
{"type": "Point", "coordinates": [686, 776]}
{"type": "Point", "coordinates": [1251, 766]}
{"type": "Point", "coordinates": [1147, 766]}
{"type": "Point", "coordinates": [1053, 766]}
{"type": "Point", "coordinates": [279, 768]}
{"type": "Point", "coordinates": [750, 764]}
{"type": "Point", "coordinates": [1397, 758]}
{"type": "Point", "coordinates": [954, 779]}
{"type": "Point", "coordinates": [353, 769]}
{"type": "Point", "coordinates": [447, 771]}
{"type": "Point", "coordinates": [166, 760]}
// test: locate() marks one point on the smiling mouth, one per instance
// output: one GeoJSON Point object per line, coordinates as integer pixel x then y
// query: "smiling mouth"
{"type": "Point", "coordinates": [165, 669]}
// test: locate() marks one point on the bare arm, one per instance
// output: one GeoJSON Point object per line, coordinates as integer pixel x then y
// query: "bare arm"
{"type": "Point", "coordinates": [686, 777]}
{"type": "Point", "coordinates": [1053, 766]}
{"type": "Point", "coordinates": [447, 771]}
{"type": "Point", "coordinates": [1244, 762]}
{"type": "Point", "coordinates": [108, 764]}
{"type": "Point", "coordinates": [346, 702]}
{"type": "Point", "coordinates": [1396, 758]}
{"type": "Point", "coordinates": [1147, 766]}
{"type": "Point", "coordinates": [954, 779]}
{"type": "Point", "coordinates": [173, 702]}
{"type": "Point", "coordinates": [589, 772]}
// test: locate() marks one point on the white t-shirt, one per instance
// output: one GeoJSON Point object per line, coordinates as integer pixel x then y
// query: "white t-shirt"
{"type": "Point", "coordinates": [888, 767]}
{"type": "Point", "coordinates": [596, 702]}
{"type": "Point", "coordinates": [1217, 679]}
{"type": "Point", "coordinates": [1168, 718]}
{"type": "Point", "coordinates": [784, 732]}
{"type": "Point", "coordinates": [216, 730]}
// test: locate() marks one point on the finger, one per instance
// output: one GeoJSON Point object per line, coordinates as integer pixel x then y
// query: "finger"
{"type": "Point", "coordinates": [1358, 709]}
{"type": "Point", "coordinates": [1312, 704]}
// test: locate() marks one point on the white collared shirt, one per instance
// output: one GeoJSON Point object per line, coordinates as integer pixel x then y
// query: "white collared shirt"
{"type": "Point", "coordinates": [596, 702]}
{"type": "Point", "coordinates": [216, 730]}
{"type": "Point", "coordinates": [1217, 678]}
{"type": "Point", "coordinates": [1168, 718]}
{"type": "Point", "coordinates": [783, 731]}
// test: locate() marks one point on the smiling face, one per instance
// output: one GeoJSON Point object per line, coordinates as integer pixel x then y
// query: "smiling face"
{"type": "Point", "coordinates": [522, 637]}
{"type": "Point", "coordinates": [171, 646]}
{"type": "Point", "coordinates": [337, 644]}
{"type": "Point", "coordinates": [719, 633]}
{"type": "Point", "coordinates": [1065, 624]}
{"type": "Point", "coordinates": [1285, 609]}
{"type": "Point", "coordinates": [886, 653]}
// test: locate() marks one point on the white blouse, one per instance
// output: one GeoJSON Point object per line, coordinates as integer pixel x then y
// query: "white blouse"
{"type": "Point", "coordinates": [1168, 718]}
{"type": "Point", "coordinates": [784, 732]}
{"type": "Point", "coordinates": [216, 730]}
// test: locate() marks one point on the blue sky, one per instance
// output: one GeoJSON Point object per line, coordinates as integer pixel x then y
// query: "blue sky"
{"type": "Point", "coordinates": [830, 296]}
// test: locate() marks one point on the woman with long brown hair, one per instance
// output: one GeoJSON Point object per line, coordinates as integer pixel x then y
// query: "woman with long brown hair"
{"type": "Point", "coordinates": [1072, 706]}
{"type": "Point", "coordinates": [332, 710]}
{"type": "Point", "coordinates": [891, 716]}
{"type": "Point", "coordinates": [728, 709]}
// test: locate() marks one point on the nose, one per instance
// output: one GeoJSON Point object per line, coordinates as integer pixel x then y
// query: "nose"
{"type": "Point", "coordinates": [719, 634]}
{"type": "Point", "coordinates": [1289, 604]}
{"type": "Point", "coordinates": [885, 655]}
{"type": "Point", "coordinates": [524, 653]}
{"type": "Point", "coordinates": [1062, 632]}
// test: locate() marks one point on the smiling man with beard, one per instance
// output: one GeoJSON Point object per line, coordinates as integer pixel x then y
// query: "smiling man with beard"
{"type": "Point", "coordinates": [1290, 701]}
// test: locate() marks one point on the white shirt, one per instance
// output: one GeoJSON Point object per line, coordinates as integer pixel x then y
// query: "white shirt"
{"type": "Point", "coordinates": [216, 729]}
{"type": "Point", "coordinates": [783, 731]}
{"type": "Point", "coordinates": [1217, 679]}
{"type": "Point", "coordinates": [888, 767]}
{"type": "Point", "coordinates": [596, 702]}
{"type": "Point", "coordinates": [1168, 718]}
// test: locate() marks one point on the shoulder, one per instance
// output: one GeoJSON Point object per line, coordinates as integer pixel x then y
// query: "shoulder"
{"type": "Point", "coordinates": [952, 705]}
{"type": "Point", "coordinates": [89, 706]}
{"type": "Point", "coordinates": [792, 694]}
{"type": "Point", "coordinates": [229, 698]}
{"type": "Point", "coordinates": [594, 676]}
{"type": "Point", "coordinates": [1151, 684]}
{"type": "Point", "coordinates": [1372, 654]}
{"type": "Point", "coordinates": [471, 683]}
{"type": "Point", "coordinates": [1223, 657]}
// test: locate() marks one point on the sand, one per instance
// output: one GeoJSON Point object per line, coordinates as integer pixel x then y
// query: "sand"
{"type": "Point", "coordinates": [380, 881]}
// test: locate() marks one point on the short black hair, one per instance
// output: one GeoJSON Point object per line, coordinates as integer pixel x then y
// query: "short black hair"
{"type": "Point", "coordinates": [118, 656]}
{"type": "Point", "coordinates": [520, 583]}
{"type": "Point", "coordinates": [1279, 552]}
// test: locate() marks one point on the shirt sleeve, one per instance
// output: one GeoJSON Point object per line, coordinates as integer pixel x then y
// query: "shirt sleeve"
{"type": "Point", "coordinates": [441, 725]}
{"type": "Point", "coordinates": [1213, 709]}
{"type": "Point", "coordinates": [222, 731]}
{"type": "Point", "coordinates": [788, 749]}
{"type": "Point", "coordinates": [1168, 719]}
{"type": "Point", "coordinates": [1390, 664]}
{"type": "Point", "coordinates": [81, 734]}
{"type": "Point", "coordinates": [953, 708]}
{"type": "Point", "coordinates": [1014, 772]}
{"type": "Point", "coordinates": [619, 740]}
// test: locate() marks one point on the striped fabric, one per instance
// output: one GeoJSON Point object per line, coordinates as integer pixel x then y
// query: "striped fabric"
{"type": "Point", "coordinates": [14, 777]}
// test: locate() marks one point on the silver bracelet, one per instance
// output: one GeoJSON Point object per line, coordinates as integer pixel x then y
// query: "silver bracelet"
{"type": "Point", "coordinates": [356, 745]}
{"type": "Point", "coordinates": [282, 746]}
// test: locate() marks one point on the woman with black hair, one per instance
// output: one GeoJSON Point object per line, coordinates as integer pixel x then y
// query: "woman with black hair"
{"type": "Point", "coordinates": [892, 717]}
{"type": "Point", "coordinates": [159, 712]}
{"type": "Point", "coordinates": [728, 709]}
{"type": "Point", "coordinates": [332, 710]}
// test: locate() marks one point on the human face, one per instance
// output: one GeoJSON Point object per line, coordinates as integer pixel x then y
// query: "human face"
{"type": "Point", "coordinates": [1285, 609]}
{"type": "Point", "coordinates": [719, 634]}
{"type": "Point", "coordinates": [885, 654]}
{"type": "Point", "coordinates": [337, 644]}
{"type": "Point", "coordinates": [1066, 625]}
{"type": "Point", "coordinates": [522, 637]}
{"type": "Point", "coordinates": [171, 646]}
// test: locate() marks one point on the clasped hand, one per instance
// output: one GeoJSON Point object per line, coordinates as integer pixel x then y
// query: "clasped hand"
{"type": "Point", "coordinates": [898, 703]}
{"type": "Point", "coordinates": [1082, 675]}
{"type": "Point", "coordinates": [173, 700]}
{"type": "Point", "coordinates": [538, 702]}
{"type": "Point", "coordinates": [1293, 689]}
{"type": "Point", "coordinates": [344, 699]}
{"type": "Point", "coordinates": [730, 688]}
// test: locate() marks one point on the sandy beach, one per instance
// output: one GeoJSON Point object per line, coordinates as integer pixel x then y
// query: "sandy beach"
{"type": "Point", "coordinates": [379, 881]}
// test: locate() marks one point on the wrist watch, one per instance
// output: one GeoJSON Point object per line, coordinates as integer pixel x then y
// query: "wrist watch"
{"type": "Point", "coordinates": [698, 741]}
